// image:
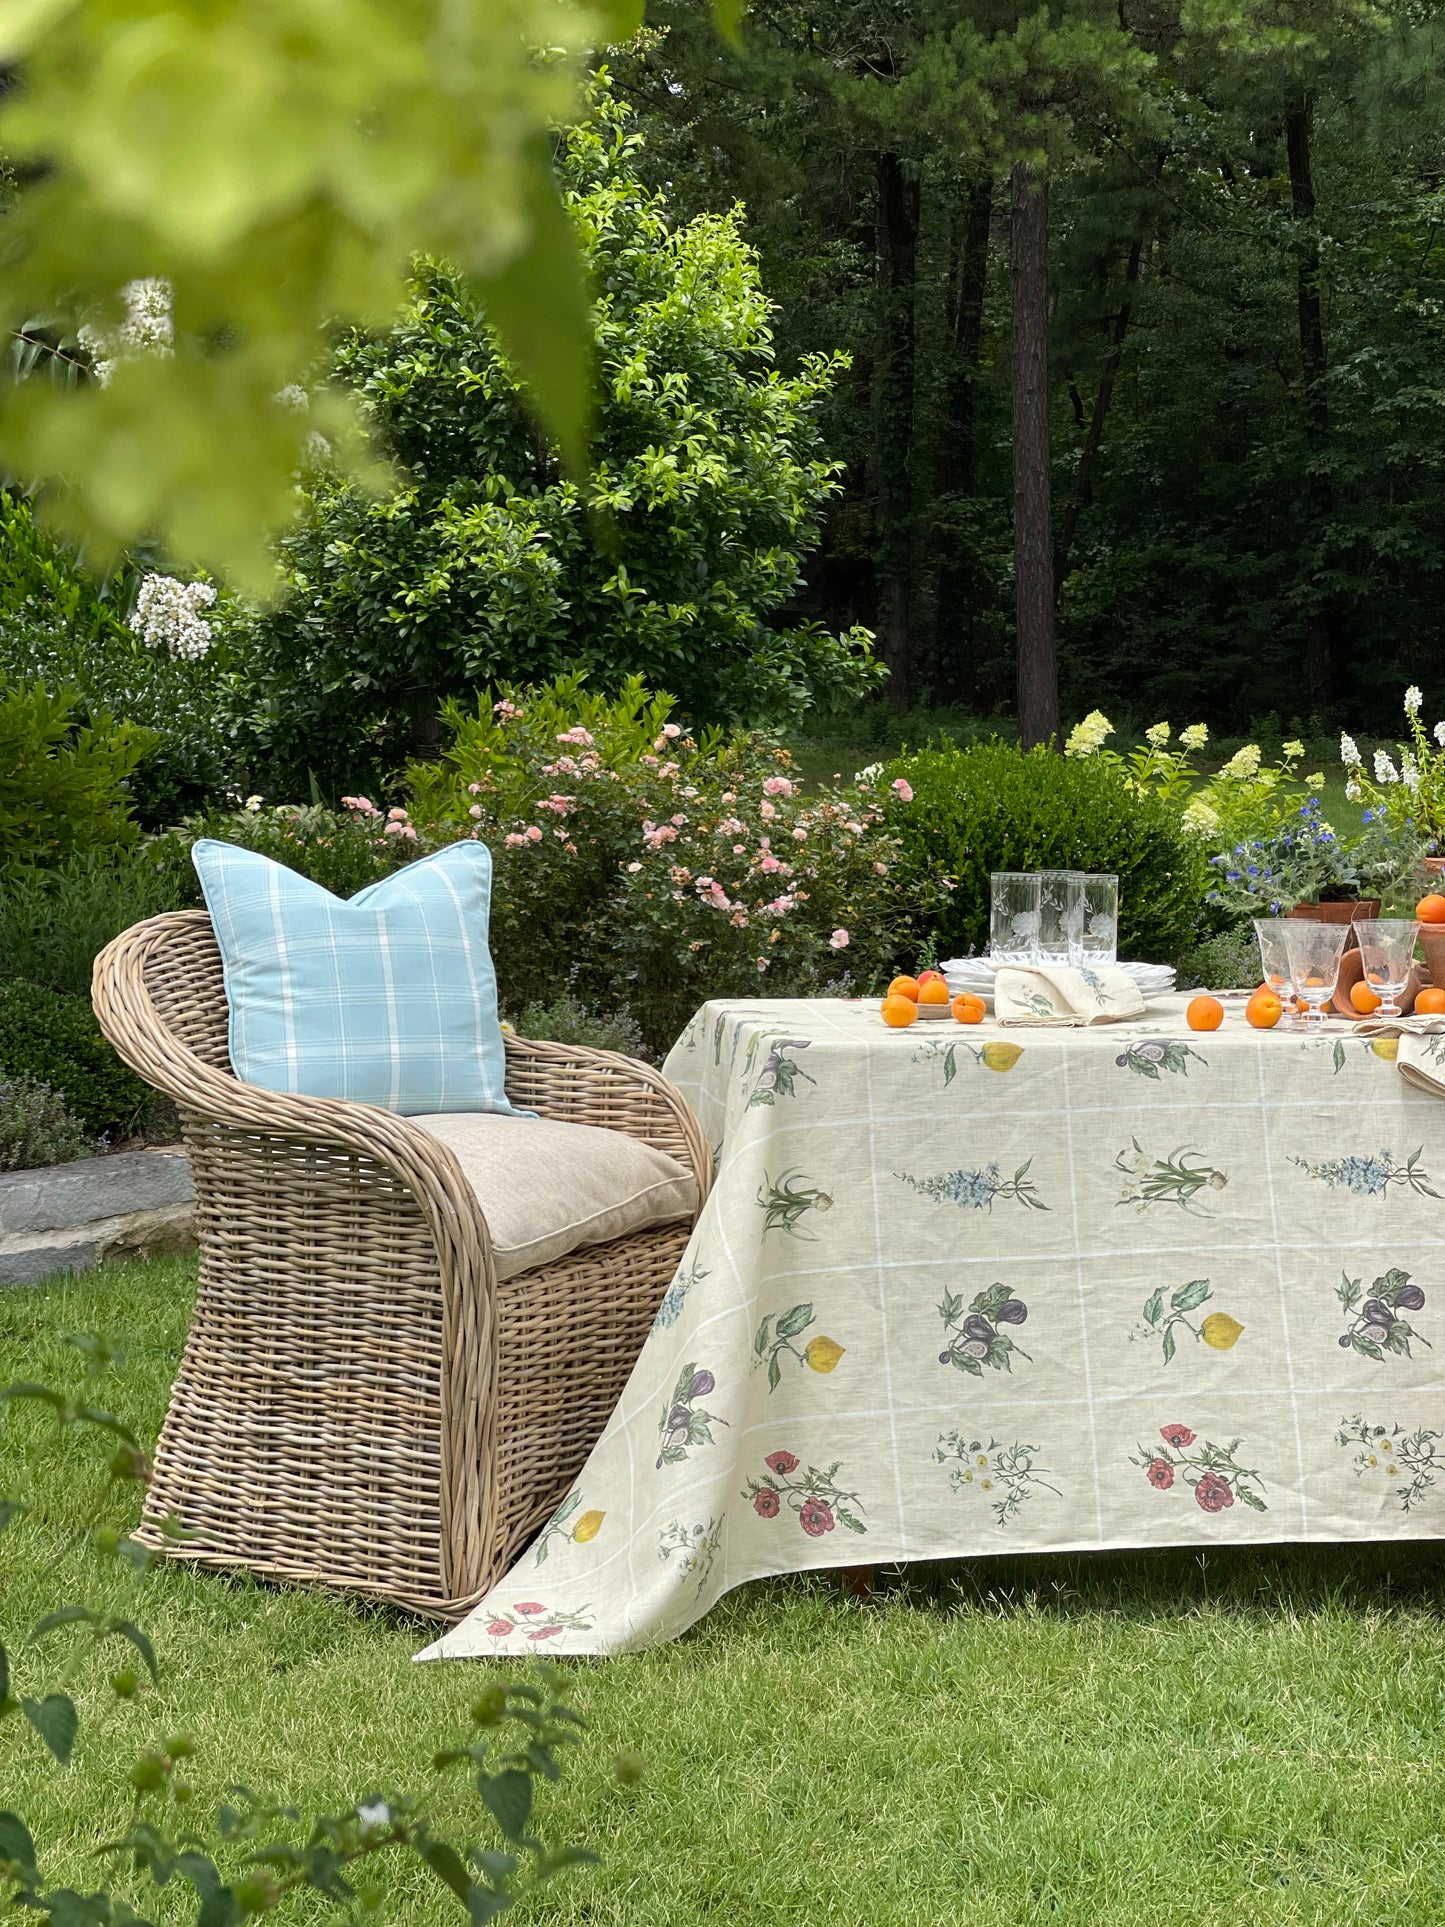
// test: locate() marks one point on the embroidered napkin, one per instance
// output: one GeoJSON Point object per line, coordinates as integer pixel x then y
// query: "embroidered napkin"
{"type": "Point", "coordinates": [1420, 1048]}
{"type": "Point", "coordinates": [1060, 994]}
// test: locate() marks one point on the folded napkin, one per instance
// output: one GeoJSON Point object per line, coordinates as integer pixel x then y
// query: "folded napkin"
{"type": "Point", "coordinates": [1059, 994]}
{"type": "Point", "coordinates": [1420, 1054]}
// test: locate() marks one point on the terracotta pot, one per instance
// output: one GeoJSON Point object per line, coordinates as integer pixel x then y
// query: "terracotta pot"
{"type": "Point", "coordinates": [1338, 913]}
{"type": "Point", "coordinates": [1432, 942]}
{"type": "Point", "coordinates": [1435, 865]}
{"type": "Point", "coordinates": [1352, 969]}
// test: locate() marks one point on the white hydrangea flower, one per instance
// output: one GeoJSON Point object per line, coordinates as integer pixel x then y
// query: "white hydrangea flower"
{"type": "Point", "coordinates": [1195, 736]}
{"type": "Point", "coordinates": [1089, 735]}
{"type": "Point", "coordinates": [1200, 817]}
{"type": "Point", "coordinates": [1242, 765]}
{"type": "Point", "coordinates": [1317, 782]}
{"type": "Point", "coordinates": [1385, 771]}
{"type": "Point", "coordinates": [1157, 734]}
{"type": "Point", "coordinates": [168, 616]}
{"type": "Point", "coordinates": [1413, 700]}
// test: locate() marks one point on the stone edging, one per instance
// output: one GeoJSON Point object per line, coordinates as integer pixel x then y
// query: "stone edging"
{"type": "Point", "coordinates": [67, 1217]}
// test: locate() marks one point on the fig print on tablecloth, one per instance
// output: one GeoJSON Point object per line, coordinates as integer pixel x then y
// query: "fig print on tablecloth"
{"type": "Point", "coordinates": [1007, 1476]}
{"type": "Point", "coordinates": [1213, 1473]}
{"type": "Point", "coordinates": [978, 1190]}
{"type": "Point", "coordinates": [780, 1073]}
{"type": "Point", "coordinates": [1391, 1452]}
{"type": "Point", "coordinates": [577, 1528]}
{"type": "Point", "coordinates": [685, 1424]}
{"type": "Point", "coordinates": [1371, 1175]}
{"type": "Point", "coordinates": [786, 1202]}
{"type": "Point", "coordinates": [815, 1498]}
{"type": "Point", "coordinates": [1377, 1326]}
{"type": "Point", "coordinates": [1150, 1058]}
{"type": "Point", "coordinates": [977, 1334]}
{"type": "Point", "coordinates": [1181, 1179]}
{"type": "Point", "coordinates": [774, 1339]}
{"type": "Point", "coordinates": [1163, 1313]}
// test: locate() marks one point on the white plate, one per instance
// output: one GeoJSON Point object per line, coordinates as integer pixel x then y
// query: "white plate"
{"type": "Point", "coordinates": [970, 973]}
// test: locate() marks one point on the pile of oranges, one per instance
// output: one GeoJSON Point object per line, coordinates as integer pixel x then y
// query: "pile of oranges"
{"type": "Point", "coordinates": [929, 991]}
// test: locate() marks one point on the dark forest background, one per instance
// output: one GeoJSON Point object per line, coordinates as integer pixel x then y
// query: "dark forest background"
{"type": "Point", "coordinates": [1246, 387]}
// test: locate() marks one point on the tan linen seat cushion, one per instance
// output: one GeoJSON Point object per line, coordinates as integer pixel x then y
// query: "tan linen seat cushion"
{"type": "Point", "coordinates": [545, 1187]}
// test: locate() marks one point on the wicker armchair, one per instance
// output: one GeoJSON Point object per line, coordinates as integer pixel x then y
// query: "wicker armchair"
{"type": "Point", "coordinates": [361, 1403]}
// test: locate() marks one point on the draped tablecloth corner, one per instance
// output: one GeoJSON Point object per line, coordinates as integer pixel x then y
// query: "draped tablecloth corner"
{"type": "Point", "coordinates": [961, 1290]}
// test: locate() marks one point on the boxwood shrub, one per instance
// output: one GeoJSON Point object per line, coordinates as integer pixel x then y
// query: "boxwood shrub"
{"type": "Point", "coordinates": [995, 807]}
{"type": "Point", "coordinates": [53, 1037]}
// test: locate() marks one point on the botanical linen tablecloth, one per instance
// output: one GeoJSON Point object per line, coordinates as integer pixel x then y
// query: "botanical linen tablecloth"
{"type": "Point", "coordinates": [970, 1290]}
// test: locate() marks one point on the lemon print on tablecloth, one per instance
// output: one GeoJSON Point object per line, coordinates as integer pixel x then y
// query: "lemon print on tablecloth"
{"type": "Point", "coordinates": [587, 1527]}
{"type": "Point", "coordinates": [1220, 1330]}
{"type": "Point", "coordinates": [774, 1341]}
{"type": "Point", "coordinates": [1001, 1057]}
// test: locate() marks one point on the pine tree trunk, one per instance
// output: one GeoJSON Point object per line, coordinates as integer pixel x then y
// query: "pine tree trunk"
{"type": "Point", "coordinates": [1038, 669]}
{"type": "Point", "coordinates": [1314, 364]}
{"type": "Point", "coordinates": [897, 252]}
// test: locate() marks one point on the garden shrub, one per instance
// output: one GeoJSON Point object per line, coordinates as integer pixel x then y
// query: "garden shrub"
{"type": "Point", "coordinates": [1229, 961]}
{"type": "Point", "coordinates": [565, 1019]}
{"type": "Point", "coordinates": [993, 807]}
{"type": "Point", "coordinates": [674, 558]}
{"type": "Point", "coordinates": [53, 922]}
{"type": "Point", "coordinates": [37, 1127]}
{"type": "Point", "coordinates": [63, 783]}
{"type": "Point", "coordinates": [64, 627]}
{"type": "Point", "coordinates": [50, 1036]}
{"type": "Point", "coordinates": [342, 850]}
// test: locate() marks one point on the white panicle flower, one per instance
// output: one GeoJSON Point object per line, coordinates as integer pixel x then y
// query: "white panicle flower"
{"type": "Point", "coordinates": [1242, 765]}
{"type": "Point", "coordinates": [1157, 734]}
{"type": "Point", "coordinates": [1352, 791]}
{"type": "Point", "coordinates": [1349, 751]}
{"type": "Point", "coordinates": [1294, 749]}
{"type": "Point", "coordinates": [148, 328]}
{"type": "Point", "coordinates": [1317, 781]}
{"type": "Point", "coordinates": [1409, 771]}
{"type": "Point", "coordinates": [1413, 700]}
{"type": "Point", "coordinates": [1200, 817]}
{"type": "Point", "coordinates": [168, 616]}
{"type": "Point", "coordinates": [1089, 735]}
{"type": "Point", "coordinates": [1195, 737]}
{"type": "Point", "coordinates": [1440, 734]}
{"type": "Point", "coordinates": [293, 395]}
{"type": "Point", "coordinates": [1385, 771]}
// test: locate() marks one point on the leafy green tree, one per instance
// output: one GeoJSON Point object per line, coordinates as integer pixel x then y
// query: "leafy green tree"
{"type": "Point", "coordinates": [490, 562]}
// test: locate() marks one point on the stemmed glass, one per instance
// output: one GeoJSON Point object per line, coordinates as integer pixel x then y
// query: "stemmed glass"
{"type": "Point", "coordinates": [1387, 949]}
{"type": "Point", "coordinates": [1314, 951]}
{"type": "Point", "coordinates": [1274, 960]}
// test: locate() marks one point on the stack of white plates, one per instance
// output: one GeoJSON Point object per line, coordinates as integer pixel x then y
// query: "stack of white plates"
{"type": "Point", "coordinates": [977, 974]}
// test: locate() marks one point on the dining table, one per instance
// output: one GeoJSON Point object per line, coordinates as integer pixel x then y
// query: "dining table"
{"type": "Point", "coordinates": [967, 1289]}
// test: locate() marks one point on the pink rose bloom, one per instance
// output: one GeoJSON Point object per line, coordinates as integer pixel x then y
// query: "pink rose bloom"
{"type": "Point", "coordinates": [1176, 1435]}
{"type": "Point", "coordinates": [770, 863]}
{"type": "Point", "coordinates": [766, 810]}
{"type": "Point", "coordinates": [815, 1518]}
{"type": "Point", "coordinates": [1160, 1474]}
{"type": "Point", "coordinates": [738, 849]}
{"type": "Point", "coordinates": [1212, 1493]}
{"type": "Point", "coordinates": [632, 868]}
{"type": "Point", "coordinates": [499, 1628]}
{"type": "Point", "coordinates": [474, 789]}
{"type": "Point", "coordinates": [839, 940]}
{"type": "Point", "coordinates": [475, 810]}
{"type": "Point", "coordinates": [672, 731]}
{"type": "Point", "coordinates": [766, 1504]}
{"type": "Point", "coordinates": [800, 836]}
{"type": "Point", "coordinates": [396, 816]}
{"type": "Point", "coordinates": [393, 829]}
{"type": "Point", "coordinates": [505, 710]}
{"type": "Point", "coordinates": [532, 833]}
{"type": "Point", "coordinates": [902, 789]}
{"type": "Point", "coordinates": [762, 963]}
{"type": "Point", "coordinates": [880, 869]}
{"type": "Point", "coordinates": [583, 738]}
{"type": "Point", "coordinates": [777, 786]}
{"type": "Point", "coordinates": [514, 840]}
{"type": "Point", "coordinates": [679, 821]}
{"type": "Point", "coordinates": [781, 1463]}
{"type": "Point", "coordinates": [527, 1606]}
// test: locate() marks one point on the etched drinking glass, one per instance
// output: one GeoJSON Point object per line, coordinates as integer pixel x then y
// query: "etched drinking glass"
{"type": "Point", "coordinates": [1387, 950]}
{"type": "Point", "coordinates": [1314, 951]}
{"type": "Point", "coordinates": [1096, 936]}
{"type": "Point", "coordinates": [1274, 960]}
{"type": "Point", "coordinates": [1060, 902]}
{"type": "Point", "coordinates": [1013, 921]}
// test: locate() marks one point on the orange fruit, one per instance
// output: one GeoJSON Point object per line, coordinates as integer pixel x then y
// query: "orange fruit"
{"type": "Point", "coordinates": [1263, 1010]}
{"type": "Point", "coordinates": [904, 987]}
{"type": "Point", "coordinates": [1430, 1002]}
{"type": "Point", "coordinates": [899, 1012]}
{"type": "Point", "coordinates": [968, 1008]}
{"type": "Point", "coordinates": [1204, 1013]}
{"type": "Point", "coordinates": [935, 991]}
{"type": "Point", "coordinates": [1431, 908]}
{"type": "Point", "coordinates": [1363, 998]}
{"type": "Point", "coordinates": [930, 977]}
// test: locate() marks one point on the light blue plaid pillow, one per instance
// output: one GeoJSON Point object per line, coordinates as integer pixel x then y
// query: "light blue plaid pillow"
{"type": "Point", "coordinates": [387, 999]}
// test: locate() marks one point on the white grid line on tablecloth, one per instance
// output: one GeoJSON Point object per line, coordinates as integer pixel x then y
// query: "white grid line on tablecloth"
{"type": "Point", "coordinates": [1078, 1256]}
{"type": "Point", "coordinates": [1283, 1291]}
{"type": "Point", "coordinates": [879, 1267]}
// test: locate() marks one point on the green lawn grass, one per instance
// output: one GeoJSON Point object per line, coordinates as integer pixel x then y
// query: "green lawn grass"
{"type": "Point", "coordinates": [1133, 1740]}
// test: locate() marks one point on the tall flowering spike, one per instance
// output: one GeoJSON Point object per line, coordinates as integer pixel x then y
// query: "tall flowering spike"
{"type": "Point", "coordinates": [1089, 735]}
{"type": "Point", "coordinates": [1157, 734]}
{"type": "Point", "coordinates": [1385, 771]}
{"type": "Point", "coordinates": [1413, 700]}
{"type": "Point", "coordinates": [168, 616]}
{"type": "Point", "coordinates": [1349, 751]}
{"type": "Point", "coordinates": [1195, 736]}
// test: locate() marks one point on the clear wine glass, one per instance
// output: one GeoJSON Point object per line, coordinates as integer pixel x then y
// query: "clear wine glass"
{"type": "Point", "coordinates": [1274, 960]}
{"type": "Point", "coordinates": [1387, 950]}
{"type": "Point", "coordinates": [1314, 951]}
